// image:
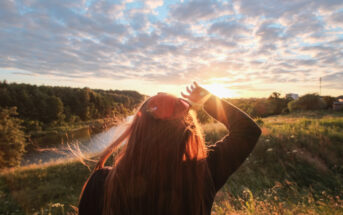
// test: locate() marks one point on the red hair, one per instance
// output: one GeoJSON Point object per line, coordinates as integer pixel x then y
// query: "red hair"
{"type": "Point", "coordinates": [162, 167]}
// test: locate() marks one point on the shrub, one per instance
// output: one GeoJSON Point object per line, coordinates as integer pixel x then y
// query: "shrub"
{"type": "Point", "coordinates": [307, 102]}
{"type": "Point", "coordinates": [329, 100]}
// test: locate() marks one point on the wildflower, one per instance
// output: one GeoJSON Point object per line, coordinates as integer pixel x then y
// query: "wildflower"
{"type": "Point", "coordinates": [270, 149]}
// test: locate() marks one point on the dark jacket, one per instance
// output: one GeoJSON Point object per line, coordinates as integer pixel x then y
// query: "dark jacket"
{"type": "Point", "coordinates": [223, 159]}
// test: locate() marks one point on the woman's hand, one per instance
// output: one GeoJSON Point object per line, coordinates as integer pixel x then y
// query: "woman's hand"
{"type": "Point", "coordinates": [196, 94]}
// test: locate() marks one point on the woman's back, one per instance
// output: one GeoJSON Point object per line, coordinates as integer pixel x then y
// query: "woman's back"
{"type": "Point", "coordinates": [159, 184]}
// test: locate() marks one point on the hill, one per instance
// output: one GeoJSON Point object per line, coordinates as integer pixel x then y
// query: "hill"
{"type": "Point", "coordinates": [296, 168]}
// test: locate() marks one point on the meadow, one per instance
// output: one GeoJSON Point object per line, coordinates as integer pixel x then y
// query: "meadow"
{"type": "Point", "coordinates": [295, 168]}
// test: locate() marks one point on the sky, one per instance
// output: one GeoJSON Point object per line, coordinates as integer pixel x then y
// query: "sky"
{"type": "Point", "coordinates": [238, 48]}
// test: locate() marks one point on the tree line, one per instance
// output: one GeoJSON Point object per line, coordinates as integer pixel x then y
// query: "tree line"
{"type": "Point", "coordinates": [276, 104]}
{"type": "Point", "coordinates": [47, 105]}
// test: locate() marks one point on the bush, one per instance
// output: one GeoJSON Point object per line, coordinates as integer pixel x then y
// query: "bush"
{"type": "Point", "coordinates": [307, 102]}
{"type": "Point", "coordinates": [12, 138]}
{"type": "Point", "coordinates": [329, 100]}
{"type": "Point", "coordinates": [262, 107]}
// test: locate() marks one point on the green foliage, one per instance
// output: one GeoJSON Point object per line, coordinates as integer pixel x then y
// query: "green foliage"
{"type": "Point", "coordinates": [296, 167]}
{"type": "Point", "coordinates": [263, 107]}
{"type": "Point", "coordinates": [307, 102]}
{"type": "Point", "coordinates": [278, 104]}
{"type": "Point", "coordinates": [329, 100]}
{"type": "Point", "coordinates": [38, 188]}
{"type": "Point", "coordinates": [54, 109]}
{"type": "Point", "coordinates": [12, 139]}
{"type": "Point", "coordinates": [51, 106]}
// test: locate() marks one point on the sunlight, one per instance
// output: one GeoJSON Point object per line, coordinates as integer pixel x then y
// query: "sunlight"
{"type": "Point", "coordinates": [220, 90]}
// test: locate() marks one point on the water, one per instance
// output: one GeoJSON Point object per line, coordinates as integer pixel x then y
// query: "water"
{"type": "Point", "coordinates": [82, 145]}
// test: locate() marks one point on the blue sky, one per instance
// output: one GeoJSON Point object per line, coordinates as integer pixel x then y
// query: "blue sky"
{"type": "Point", "coordinates": [238, 48]}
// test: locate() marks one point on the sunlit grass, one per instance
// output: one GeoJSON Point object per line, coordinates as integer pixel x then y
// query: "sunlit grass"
{"type": "Point", "coordinates": [296, 168]}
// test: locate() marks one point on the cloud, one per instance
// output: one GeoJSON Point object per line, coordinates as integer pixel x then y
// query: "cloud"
{"type": "Point", "coordinates": [152, 4]}
{"type": "Point", "coordinates": [337, 17]}
{"type": "Point", "coordinates": [335, 20]}
{"type": "Point", "coordinates": [269, 32]}
{"type": "Point", "coordinates": [193, 11]}
{"type": "Point", "coordinates": [228, 29]}
{"type": "Point", "coordinates": [252, 42]}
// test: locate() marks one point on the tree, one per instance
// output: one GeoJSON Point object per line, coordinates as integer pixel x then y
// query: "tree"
{"type": "Point", "coordinates": [45, 106]}
{"type": "Point", "coordinates": [55, 108]}
{"type": "Point", "coordinates": [329, 100]}
{"type": "Point", "coordinates": [275, 95]}
{"type": "Point", "coordinates": [12, 138]}
{"type": "Point", "coordinates": [307, 102]}
{"type": "Point", "coordinates": [276, 103]}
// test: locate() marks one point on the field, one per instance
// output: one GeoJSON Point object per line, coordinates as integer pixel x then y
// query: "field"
{"type": "Point", "coordinates": [296, 168]}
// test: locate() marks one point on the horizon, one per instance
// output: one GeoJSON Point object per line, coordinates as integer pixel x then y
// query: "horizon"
{"type": "Point", "coordinates": [235, 49]}
{"type": "Point", "coordinates": [282, 95]}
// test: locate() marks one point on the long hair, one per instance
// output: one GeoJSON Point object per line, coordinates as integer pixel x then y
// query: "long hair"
{"type": "Point", "coordinates": [160, 170]}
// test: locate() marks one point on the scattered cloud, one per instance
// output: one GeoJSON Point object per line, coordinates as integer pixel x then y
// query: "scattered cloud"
{"type": "Point", "coordinates": [199, 10]}
{"type": "Point", "coordinates": [251, 42]}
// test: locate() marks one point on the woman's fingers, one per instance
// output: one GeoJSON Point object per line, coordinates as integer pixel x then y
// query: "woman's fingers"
{"type": "Point", "coordinates": [193, 91]}
{"type": "Point", "coordinates": [188, 90]}
{"type": "Point", "coordinates": [184, 95]}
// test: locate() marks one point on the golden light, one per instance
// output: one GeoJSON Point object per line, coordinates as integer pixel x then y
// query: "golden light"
{"type": "Point", "coordinates": [220, 90]}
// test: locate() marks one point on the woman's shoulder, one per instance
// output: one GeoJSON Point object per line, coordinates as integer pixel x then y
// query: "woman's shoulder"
{"type": "Point", "coordinates": [91, 199]}
{"type": "Point", "coordinates": [98, 177]}
{"type": "Point", "coordinates": [103, 172]}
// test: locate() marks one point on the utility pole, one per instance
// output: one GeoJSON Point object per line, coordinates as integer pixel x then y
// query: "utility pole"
{"type": "Point", "coordinates": [320, 86]}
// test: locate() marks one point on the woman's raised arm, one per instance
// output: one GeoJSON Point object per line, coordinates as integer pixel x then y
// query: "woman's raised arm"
{"type": "Point", "coordinates": [228, 154]}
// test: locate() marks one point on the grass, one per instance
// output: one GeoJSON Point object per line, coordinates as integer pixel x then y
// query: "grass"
{"type": "Point", "coordinates": [296, 168]}
{"type": "Point", "coordinates": [30, 189]}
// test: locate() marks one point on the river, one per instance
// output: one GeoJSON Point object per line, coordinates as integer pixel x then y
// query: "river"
{"type": "Point", "coordinates": [86, 144]}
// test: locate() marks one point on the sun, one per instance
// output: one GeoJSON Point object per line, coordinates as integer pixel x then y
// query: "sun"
{"type": "Point", "coordinates": [220, 90]}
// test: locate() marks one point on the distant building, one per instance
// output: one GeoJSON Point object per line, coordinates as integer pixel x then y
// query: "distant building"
{"type": "Point", "coordinates": [292, 95]}
{"type": "Point", "coordinates": [338, 105]}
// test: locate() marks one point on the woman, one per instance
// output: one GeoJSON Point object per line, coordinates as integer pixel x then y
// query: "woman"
{"type": "Point", "coordinates": [165, 166]}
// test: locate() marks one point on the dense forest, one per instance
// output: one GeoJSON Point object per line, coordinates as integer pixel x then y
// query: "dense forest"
{"type": "Point", "coordinates": [45, 106]}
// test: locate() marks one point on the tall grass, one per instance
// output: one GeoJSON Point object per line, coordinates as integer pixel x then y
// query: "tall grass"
{"type": "Point", "coordinates": [42, 188]}
{"type": "Point", "coordinates": [296, 168]}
